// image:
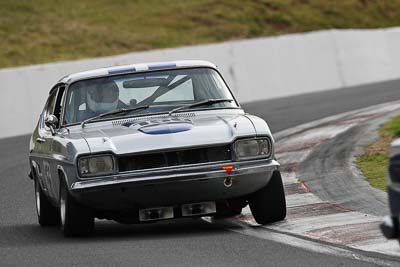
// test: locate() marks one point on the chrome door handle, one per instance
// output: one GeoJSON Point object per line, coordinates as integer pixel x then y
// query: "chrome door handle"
{"type": "Point", "coordinates": [40, 140]}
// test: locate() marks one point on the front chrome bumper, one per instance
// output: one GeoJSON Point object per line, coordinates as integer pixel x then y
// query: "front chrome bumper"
{"type": "Point", "coordinates": [174, 186]}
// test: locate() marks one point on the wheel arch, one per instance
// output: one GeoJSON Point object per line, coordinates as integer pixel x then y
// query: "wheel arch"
{"type": "Point", "coordinates": [62, 180]}
{"type": "Point", "coordinates": [62, 175]}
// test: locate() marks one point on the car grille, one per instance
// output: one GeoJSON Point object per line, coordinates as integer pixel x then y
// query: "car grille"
{"type": "Point", "coordinates": [174, 158]}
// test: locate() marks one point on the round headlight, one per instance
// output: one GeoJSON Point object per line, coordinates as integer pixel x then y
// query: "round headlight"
{"type": "Point", "coordinates": [96, 165]}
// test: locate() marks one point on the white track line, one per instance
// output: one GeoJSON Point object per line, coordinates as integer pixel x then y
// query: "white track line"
{"type": "Point", "coordinates": [289, 178]}
{"type": "Point", "coordinates": [296, 200]}
{"type": "Point", "coordinates": [306, 224]}
{"type": "Point", "coordinates": [306, 244]}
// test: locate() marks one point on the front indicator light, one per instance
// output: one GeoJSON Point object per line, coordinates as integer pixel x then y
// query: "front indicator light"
{"type": "Point", "coordinates": [228, 169]}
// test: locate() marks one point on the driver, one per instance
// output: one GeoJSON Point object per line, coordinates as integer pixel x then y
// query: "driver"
{"type": "Point", "coordinates": [102, 98]}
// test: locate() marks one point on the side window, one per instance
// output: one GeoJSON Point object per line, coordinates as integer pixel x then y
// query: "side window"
{"type": "Point", "coordinates": [58, 108]}
{"type": "Point", "coordinates": [73, 106]}
{"type": "Point", "coordinates": [53, 105]}
{"type": "Point", "coordinates": [51, 102]}
{"type": "Point", "coordinates": [183, 92]}
{"type": "Point", "coordinates": [49, 108]}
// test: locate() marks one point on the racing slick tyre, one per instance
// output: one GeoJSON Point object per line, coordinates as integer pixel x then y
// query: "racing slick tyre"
{"type": "Point", "coordinates": [76, 220]}
{"type": "Point", "coordinates": [46, 213]}
{"type": "Point", "coordinates": [269, 204]}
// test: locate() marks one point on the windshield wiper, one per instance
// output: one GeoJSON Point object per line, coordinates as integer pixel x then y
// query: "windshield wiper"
{"type": "Point", "coordinates": [114, 112]}
{"type": "Point", "coordinates": [201, 103]}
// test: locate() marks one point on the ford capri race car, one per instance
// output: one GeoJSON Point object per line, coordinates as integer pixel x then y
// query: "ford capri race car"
{"type": "Point", "coordinates": [148, 142]}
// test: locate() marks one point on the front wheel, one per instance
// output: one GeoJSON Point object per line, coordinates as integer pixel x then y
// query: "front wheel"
{"type": "Point", "coordinates": [46, 213]}
{"type": "Point", "coordinates": [76, 220]}
{"type": "Point", "coordinates": [269, 204]}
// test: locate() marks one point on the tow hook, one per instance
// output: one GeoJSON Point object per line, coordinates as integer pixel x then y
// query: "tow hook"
{"type": "Point", "coordinates": [228, 181]}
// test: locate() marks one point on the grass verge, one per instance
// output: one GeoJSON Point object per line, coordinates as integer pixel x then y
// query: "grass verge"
{"type": "Point", "coordinates": [374, 162]}
{"type": "Point", "coordinates": [42, 31]}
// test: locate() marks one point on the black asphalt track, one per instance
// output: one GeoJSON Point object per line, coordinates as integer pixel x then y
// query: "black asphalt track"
{"type": "Point", "coordinates": [173, 243]}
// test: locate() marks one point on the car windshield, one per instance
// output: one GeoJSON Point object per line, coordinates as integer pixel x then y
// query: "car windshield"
{"type": "Point", "coordinates": [161, 91]}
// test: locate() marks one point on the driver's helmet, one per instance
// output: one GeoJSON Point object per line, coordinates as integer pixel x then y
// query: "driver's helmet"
{"type": "Point", "coordinates": [103, 97]}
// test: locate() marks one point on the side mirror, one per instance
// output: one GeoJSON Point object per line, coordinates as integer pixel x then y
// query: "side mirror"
{"type": "Point", "coordinates": [51, 121]}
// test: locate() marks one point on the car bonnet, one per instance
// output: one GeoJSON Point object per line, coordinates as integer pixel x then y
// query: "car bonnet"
{"type": "Point", "coordinates": [168, 132]}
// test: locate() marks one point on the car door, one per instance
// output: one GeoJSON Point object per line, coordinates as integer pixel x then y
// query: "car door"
{"type": "Point", "coordinates": [44, 142]}
{"type": "Point", "coordinates": [55, 145]}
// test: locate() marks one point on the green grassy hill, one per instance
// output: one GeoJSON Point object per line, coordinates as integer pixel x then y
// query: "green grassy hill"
{"type": "Point", "coordinates": [374, 162]}
{"type": "Point", "coordinates": [52, 30]}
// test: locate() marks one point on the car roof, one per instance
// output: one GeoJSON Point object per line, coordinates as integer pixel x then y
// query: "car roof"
{"type": "Point", "coordinates": [134, 68]}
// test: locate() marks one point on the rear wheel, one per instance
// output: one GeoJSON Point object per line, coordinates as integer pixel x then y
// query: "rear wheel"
{"type": "Point", "coordinates": [269, 204]}
{"type": "Point", "coordinates": [46, 213]}
{"type": "Point", "coordinates": [76, 220]}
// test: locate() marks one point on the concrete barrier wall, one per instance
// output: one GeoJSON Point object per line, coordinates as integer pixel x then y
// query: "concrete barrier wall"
{"type": "Point", "coordinates": [256, 69]}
